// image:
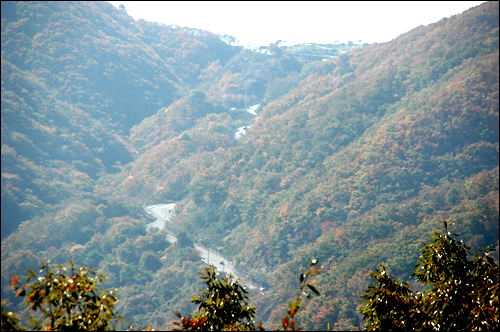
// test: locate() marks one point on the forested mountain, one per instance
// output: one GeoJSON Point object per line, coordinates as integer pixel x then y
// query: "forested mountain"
{"type": "Point", "coordinates": [352, 160]}
{"type": "Point", "coordinates": [75, 78]}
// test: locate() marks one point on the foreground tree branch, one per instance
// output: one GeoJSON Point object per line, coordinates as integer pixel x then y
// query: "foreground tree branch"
{"type": "Point", "coordinates": [464, 293]}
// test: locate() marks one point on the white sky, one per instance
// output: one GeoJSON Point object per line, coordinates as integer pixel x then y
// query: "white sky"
{"type": "Point", "coordinates": [262, 23]}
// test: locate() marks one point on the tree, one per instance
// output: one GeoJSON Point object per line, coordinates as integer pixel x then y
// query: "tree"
{"type": "Point", "coordinates": [275, 49]}
{"type": "Point", "coordinates": [224, 305]}
{"type": "Point", "coordinates": [288, 321]}
{"type": "Point", "coordinates": [133, 274]}
{"type": "Point", "coordinates": [464, 293]}
{"type": "Point", "coordinates": [183, 240]}
{"type": "Point", "coordinates": [228, 39]}
{"type": "Point", "coordinates": [10, 322]}
{"type": "Point", "coordinates": [72, 302]}
{"type": "Point", "coordinates": [150, 262]}
{"type": "Point", "coordinates": [67, 301]}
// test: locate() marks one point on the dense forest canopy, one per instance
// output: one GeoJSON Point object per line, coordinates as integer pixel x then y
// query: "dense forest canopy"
{"type": "Point", "coordinates": [351, 160]}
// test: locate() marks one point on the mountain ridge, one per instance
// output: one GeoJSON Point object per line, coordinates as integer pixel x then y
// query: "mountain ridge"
{"type": "Point", "coordinates": [350, 160]}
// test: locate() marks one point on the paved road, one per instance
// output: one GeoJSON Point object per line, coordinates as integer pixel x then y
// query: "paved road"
{"type": "Point", "coordinates": [212, 258]}
{"type": "Point", "coordinates": [163, 214]}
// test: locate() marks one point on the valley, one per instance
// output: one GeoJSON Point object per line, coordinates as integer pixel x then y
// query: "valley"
{"type": "Point", "coordinates": [150, 151]}
{"type": "Point", "coordinates": [163, 213]}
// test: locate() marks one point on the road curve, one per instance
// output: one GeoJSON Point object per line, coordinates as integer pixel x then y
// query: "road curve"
{"type": "Point", "coordinates": [163, 214]}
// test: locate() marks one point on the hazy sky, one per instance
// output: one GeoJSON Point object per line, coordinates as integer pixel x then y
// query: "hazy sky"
{"type": "Point", "coordinates": [262, 23]}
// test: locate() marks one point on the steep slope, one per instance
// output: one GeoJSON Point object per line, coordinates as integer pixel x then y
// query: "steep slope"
{"type": "Point", "coordinates": [76, 76]}
{"type": "Point", "coordinates": [378, 126]}
{"type": "Point", "coordinates": [366, 133]}
{"type": "Point", "coordinates": [351, 160]}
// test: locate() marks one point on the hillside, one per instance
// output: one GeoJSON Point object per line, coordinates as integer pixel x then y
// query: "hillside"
{"type": "Point", "coordinates": [314, 52]}
{"type": "Point", "coordinates": [352, 160]}
{"type": "Point", "coordinates": [75, 78]}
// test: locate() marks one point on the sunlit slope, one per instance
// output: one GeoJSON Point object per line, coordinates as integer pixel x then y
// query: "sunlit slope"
{"type": "Point", "coordinates": [375, 126]}
{"type": "Point", "coordinates": [378, 127]}
{"type": "Point", "coordinates": [351, 160]}
{"type": "Point", "coordinates": [391, 235]}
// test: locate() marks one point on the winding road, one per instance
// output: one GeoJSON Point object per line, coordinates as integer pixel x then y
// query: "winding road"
{"type": "Point", "coordinates": [163, 214]}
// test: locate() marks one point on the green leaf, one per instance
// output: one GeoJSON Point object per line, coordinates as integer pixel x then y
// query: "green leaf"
{"type": "Point", "coordinates": [292, 308]}
{"type": "Point", "coordinates": [311, 287]}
